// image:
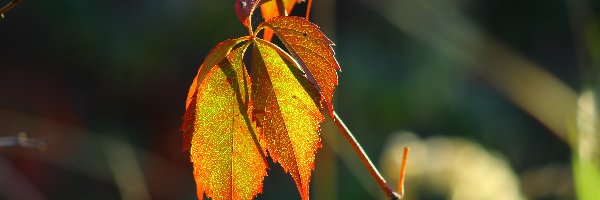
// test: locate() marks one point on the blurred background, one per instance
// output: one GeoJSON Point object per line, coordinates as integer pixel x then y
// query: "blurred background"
{"type": "Point", "coordinates": [495, 98]}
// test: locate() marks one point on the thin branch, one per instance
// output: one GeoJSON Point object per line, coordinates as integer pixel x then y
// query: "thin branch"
{"type": "Point", "coordinates": [402, 172]}
{"type": "Point", "coordinates": [308, 9]}
{"type": "Point", "coordinates": [8, 7]}
{"type": "Point", "coordinates": [281, 8]}
{"type": "Point", "coordinates": [364, 158]}
{"type": "Point", "coordinates": [21, 140]}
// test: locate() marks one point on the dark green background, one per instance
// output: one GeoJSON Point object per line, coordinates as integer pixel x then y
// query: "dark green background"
{"type": "Point", "coordinates": [76, 71]}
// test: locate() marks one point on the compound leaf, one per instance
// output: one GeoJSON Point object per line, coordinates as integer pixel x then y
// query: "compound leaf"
{"type": "Point", "coordinates": [233, 118]}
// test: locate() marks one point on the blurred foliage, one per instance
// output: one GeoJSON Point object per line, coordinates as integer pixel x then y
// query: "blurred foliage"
{"type": "Point", "coordinates": [586, 152]}
{"type": "Point", "coordinates": [587, 176]}
{"type": "Point", "coordinates": [460, 167]}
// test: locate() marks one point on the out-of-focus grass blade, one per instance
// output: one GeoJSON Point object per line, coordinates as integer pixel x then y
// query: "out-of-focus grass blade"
{"type": "Point", "coordinates": [586, 161]}
{"type": "Point", "coordinates": [587, 178]}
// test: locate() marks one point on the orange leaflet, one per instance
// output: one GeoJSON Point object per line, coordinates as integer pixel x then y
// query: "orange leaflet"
{"type": "Point", "coordinates": [215, 55]}
{"type": "Point", "coordinates": [269, 10]}
{"type": "Point", "coordinates": [308, 44]}
{"type": "Point", "coordinates": [286, 112]}
{"type": "Point", "coordinates": [226, 153]}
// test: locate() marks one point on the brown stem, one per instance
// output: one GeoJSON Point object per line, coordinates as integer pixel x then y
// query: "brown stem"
{"type": "Point", "coordinates": [402, 172]}
{"type": "Point", "coordinates": [281, 8]}
{"type": "Point", "coordinates": [250, 33]}
{"type": "Point", "coordinates": [22, 140]}
{"type": "Point", "coordinates": [364, 158]}
{"type": "Point", "coordinates": [308, 9]}
{"type": "Point", "coordinates": [9, 7]}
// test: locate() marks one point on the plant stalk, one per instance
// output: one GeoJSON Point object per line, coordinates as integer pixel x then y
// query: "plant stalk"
{"type": "Point", "coordinates": [364, 158]}
{"type": "Point", "coordinates": [308, 9]}
{"type": "Point", "coordinates": [22, 140]}
{"type": "Point", "coordinates": [8, 7]}
{"type": "Point", "coordinates": [402, 172]}
{"type": "Point", "coordinates": [281, 8]}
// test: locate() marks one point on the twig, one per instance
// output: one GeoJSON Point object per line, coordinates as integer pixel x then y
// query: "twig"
{"type": "Point", "coordinates": [9, 6]}
{"type": "Point", "coordinates": [402, 172]}
{"type": "Point", "coordinates": [364, 158]}
{"type": "Point", "coordinates": [308, 9]}
{"type": "Point", "coordinates": [281, 8]}
{"type": "Point", "coordinates": [21, 140]}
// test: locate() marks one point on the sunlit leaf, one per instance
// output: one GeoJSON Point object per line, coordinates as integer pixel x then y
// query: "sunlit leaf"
{"type": "Point", "coordinates": [232, 119]}
{"type": "Point", "coordinates": [307, 43]}
{"type": "Point", "coordinates": [214, 56]}
{"type": "Point", "coordinates": [269, 10]}
{"type": "Point", "coordinates": [225, 150]}
{"type": "Point", "coordinates": [286, 112]}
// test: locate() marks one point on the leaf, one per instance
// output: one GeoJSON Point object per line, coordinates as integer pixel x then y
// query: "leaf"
{"type": "Point", "coordinates": [244, 9]}
{"type": "Point", "coordinates": [286, 112]}
{"type": "Point", "coordinates": [269, 10]}
{"type": "Point", "coordinates": [226, 153]}
{"type": "Point", "coordinates": [307, 43]}
{"type": "Point", "coordinates": [232, 118]}
{"type": "Point", "coordinates": [213, 57]}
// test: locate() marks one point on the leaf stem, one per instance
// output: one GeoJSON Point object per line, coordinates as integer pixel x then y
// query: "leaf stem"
{"type": "Point", "coordinates": [364, 158]}
{"type": "Point", "coordinates": [402, 172]}
{"type": "Point", "coordinates": [250, 33]}
{"type": "Point", "coordinates": [308, 9]}
{"type": "Point", "coordinates": [281, 8]}
{"type": "Point", "coordinates": [8, 7]}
